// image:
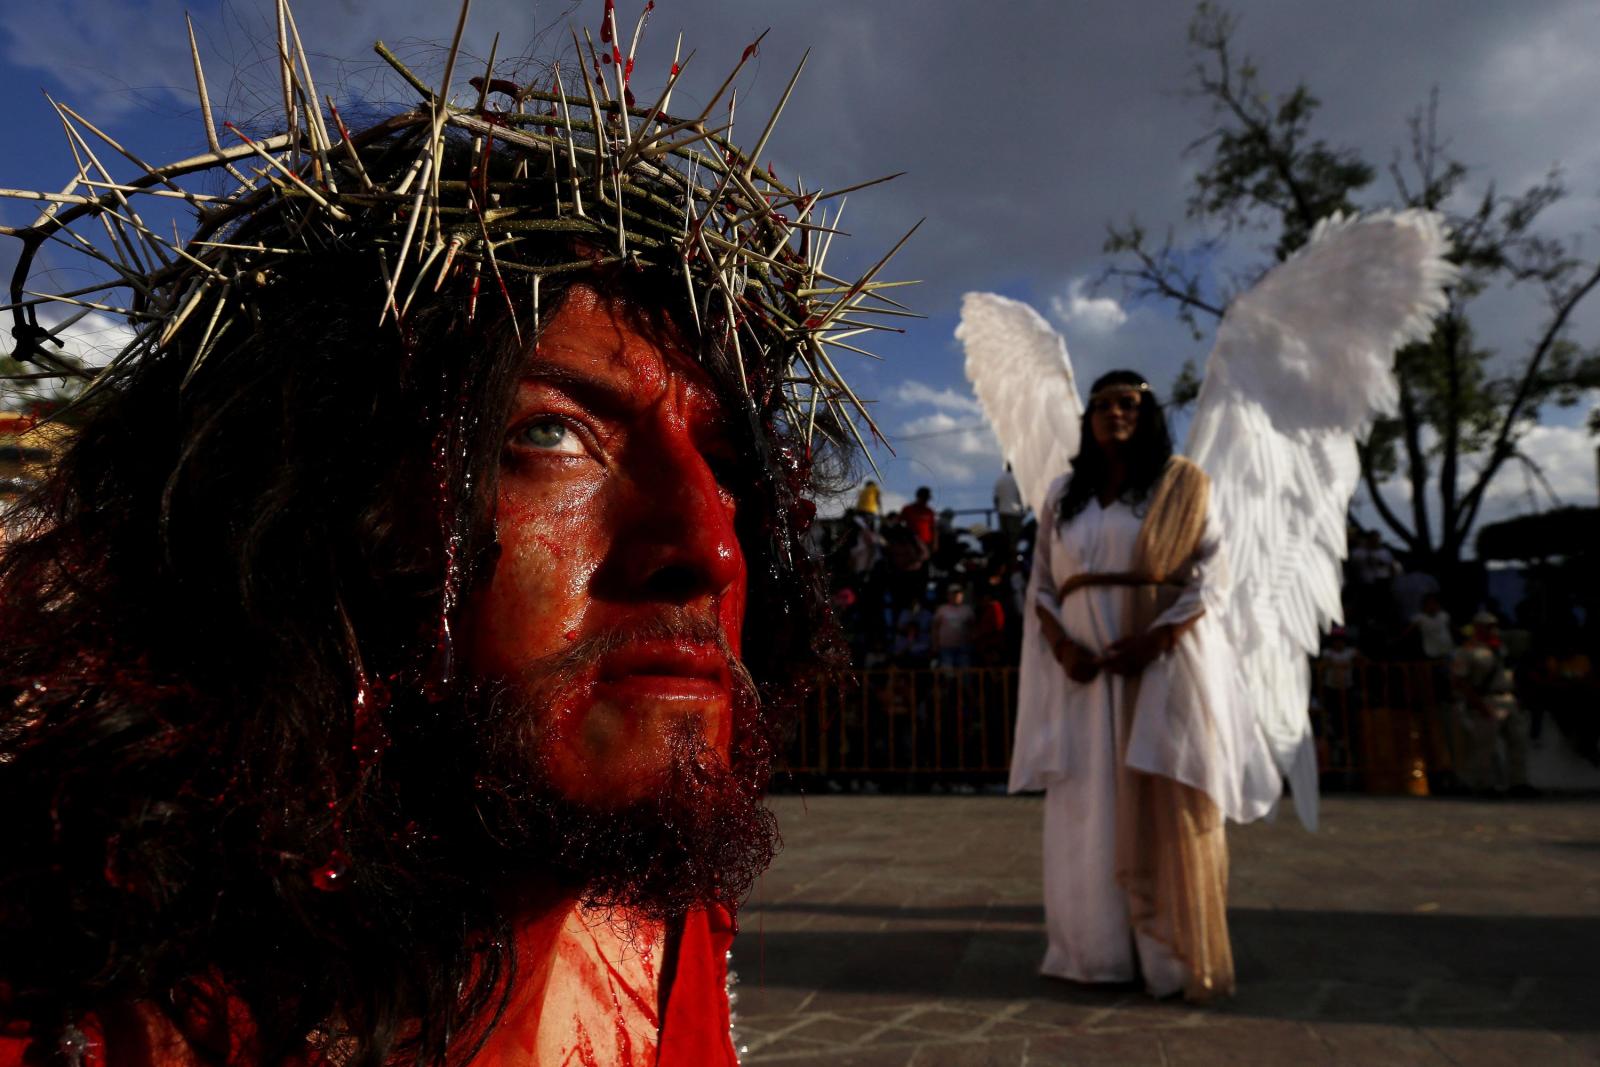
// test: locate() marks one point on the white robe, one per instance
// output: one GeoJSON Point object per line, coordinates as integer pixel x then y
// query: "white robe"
{"type": "Point", "coordinates": [1192, 723]}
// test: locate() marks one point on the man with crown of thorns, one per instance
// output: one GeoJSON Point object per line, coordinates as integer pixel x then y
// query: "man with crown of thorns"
{"type": "Point", "coordinates": [393, 661]}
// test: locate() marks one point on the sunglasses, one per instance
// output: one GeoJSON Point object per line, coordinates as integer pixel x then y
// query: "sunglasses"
{"type": "Point", "coordinates": [1127, 403]}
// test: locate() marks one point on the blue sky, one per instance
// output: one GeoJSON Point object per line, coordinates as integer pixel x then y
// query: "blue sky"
{"type": "Point", "coordinates": [1025, 127]}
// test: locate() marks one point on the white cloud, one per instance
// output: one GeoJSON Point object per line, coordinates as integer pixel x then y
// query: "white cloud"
{"type": "Point", "coordinates": [1093, 314]}
{"type": "Point", "coordinates": [95, 338]}
{"type": "Point", "coordinates": [1565, 455]}
{"type": "Point", "coordinates": [92, 341]}
{"type": "Point", "coordinates": [1547, 65]}
{"type": "Point", "coordinates": [951, 448]}
{"type": "Point", "coordinates": [912, 391]}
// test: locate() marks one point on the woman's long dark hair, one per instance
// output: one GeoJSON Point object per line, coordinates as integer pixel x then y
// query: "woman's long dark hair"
{"type": "Point", "coordinates": [223, 621]}
{"type": "Point", "coordinates": [1148, 452]}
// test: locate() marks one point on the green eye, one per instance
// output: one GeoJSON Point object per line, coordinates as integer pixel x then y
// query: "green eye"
{"type": "Point", "coordinates": [550, 435]}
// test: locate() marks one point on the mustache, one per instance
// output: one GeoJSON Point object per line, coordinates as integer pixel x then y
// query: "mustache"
{"type": "Point", "coordinates": [582, 657]}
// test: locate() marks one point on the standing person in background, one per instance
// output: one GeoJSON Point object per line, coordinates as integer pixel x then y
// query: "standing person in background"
{"type": "Point", "coordinates": [991, 612]}
{"type": "Point", "coordinates": [1139, 732]}
{"type": "Point", "coordinates": [1487, 705]}
{"type": "Point", "coordinates": [921, 520]}
{"type": "Point", "coordinates": [1372, 568]}
{"type": "Point", "coordinates": [1164, 687]}
{"type": "Point", "coordinates": [948, 552]}
{"type": "Point", "coordinates": [907, 563]}
{"type": "Point", "coordinates": [1008, 507]}
{"type": "Point", "coordinates": [1337, 670]}
{"type": "Point", "coordinates": [865, 547]}
{"type": "Point", "coordinates": [869, 502]}
{"type": "Point", "coordinates": [913, 636]}
{"type": "Point", "coordinates": [1430, 628]}
{"type": "Point", "coordinates": [955, 630]}
{"type": "Point", "coordinates": [1341, 697]}
{"type": "Point", "coordinates": [1431, 624]}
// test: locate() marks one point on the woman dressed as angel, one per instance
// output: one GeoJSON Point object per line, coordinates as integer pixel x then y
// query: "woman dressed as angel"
{"type": "Point", "coordinates": [1139, 731]}
{"type": "Point", "coordinates": [1174, 602]}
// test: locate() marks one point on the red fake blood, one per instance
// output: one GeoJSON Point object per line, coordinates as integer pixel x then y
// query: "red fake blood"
{"type": "Point", "coordinates": [752, 49]}
{"type": "Point", "coordinates": [570, 635]}
{"type": "Point", "coordinates": [548, 544]}
{"type": "Point", "coordinates": [444, 649]}
{"type": "Point", "coordinates": [331, 876]}
{"type": "Point", "coordinates": [584, 1049]}
{"type": "Point", "coordinates": [368, 736]}
{"type": "Point", "coordinates": [496, 85]}
{"type": "Point", "coordinates": [607, 18]}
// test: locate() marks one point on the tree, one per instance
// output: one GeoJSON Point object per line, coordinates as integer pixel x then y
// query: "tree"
{"type": "Point", "coordinates": [1268, 171]}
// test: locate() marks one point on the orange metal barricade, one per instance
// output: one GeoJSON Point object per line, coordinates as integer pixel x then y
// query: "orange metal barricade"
{"type": "Point", "coordinates": [1380, 727]}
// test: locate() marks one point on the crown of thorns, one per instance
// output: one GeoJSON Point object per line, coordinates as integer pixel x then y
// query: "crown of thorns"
{"type": "Point", "coordinates": [625, 184]}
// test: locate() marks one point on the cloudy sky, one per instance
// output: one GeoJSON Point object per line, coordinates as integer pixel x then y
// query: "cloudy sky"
{"type": "Point", "coordinates": [1024, 127]}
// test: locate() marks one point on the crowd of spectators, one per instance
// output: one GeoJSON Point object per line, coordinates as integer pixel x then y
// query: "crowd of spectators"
{"type": "Point", "coordinates": [1483, 683]}
{"type": "Point", "coordinates": [920, 587]}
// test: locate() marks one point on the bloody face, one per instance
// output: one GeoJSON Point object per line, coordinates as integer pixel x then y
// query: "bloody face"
{"type": "Point", "coordinates": [614, 612]}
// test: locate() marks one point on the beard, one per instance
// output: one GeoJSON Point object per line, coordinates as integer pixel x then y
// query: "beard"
{"type": "Point", "coordinates": [695, 833]}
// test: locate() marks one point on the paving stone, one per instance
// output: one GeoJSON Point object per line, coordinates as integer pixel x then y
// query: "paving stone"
{"type": "Point", "coordinates": [1002, 1053]}
{"type": "Point", "coordinates": [872, 1057]}
{"type": "Point", "coordinates": [1503, 1048]}
{"type": "Point", "coordinates": [837, 1030]}
{"type": "Point", "coordinates": [1097, 1050]}
{"type": "Point", "coordinates": [1376, 1045]}
{"type": "Point", "coordinates": [941, 1021]}
{"type": "Point", "coordinates": [1246, 1041]}
{"type": "Point", "coordinates": [905, 931]}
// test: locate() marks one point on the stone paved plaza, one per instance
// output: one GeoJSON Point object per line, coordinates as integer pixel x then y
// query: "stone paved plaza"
{"type": "Point", "coordinates": [904, 931]}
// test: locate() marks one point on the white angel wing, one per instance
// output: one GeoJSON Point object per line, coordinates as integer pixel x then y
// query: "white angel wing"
{"type": "Point", "coordinates": [1019, 368]}
{"type": "Point", "coordinates": [1301, 365]}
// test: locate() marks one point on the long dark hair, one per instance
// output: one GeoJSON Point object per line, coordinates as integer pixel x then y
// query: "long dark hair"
{"type": "Point", "coordinates": [1148, 452]}
{"type": "Point", "coordinates": [224, 632]}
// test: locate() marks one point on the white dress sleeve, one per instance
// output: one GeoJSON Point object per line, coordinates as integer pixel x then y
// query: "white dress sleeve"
{"type": "Point", "coordinates": [1193, 721]}
{"type": "Point", "coordinates": [1042, 748]}
{"type": "Point", "coordinates": [1042, 577]}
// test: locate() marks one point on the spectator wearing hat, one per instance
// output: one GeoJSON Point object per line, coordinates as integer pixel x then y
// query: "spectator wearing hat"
{"type": "Point", "coordinates": [869, 502]}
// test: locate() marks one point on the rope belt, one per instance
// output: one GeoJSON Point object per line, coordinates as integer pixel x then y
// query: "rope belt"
{"type": "Point", "coordinates": [1125, 578]}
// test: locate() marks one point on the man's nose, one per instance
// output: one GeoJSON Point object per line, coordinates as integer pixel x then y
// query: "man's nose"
{"type": "Point", "coordinates": [683, 544]}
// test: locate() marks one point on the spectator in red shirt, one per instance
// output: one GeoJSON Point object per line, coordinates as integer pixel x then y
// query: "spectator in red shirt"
{"type": "Point", "coordinates": [919, 516]}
